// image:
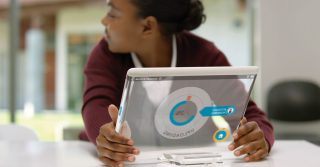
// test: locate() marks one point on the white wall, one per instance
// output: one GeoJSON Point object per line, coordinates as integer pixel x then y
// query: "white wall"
{"type": "Point", "coordinates": [219, 28]}
{"type": "Point", "coordinates": [72, 20]}
{"type": "Point", "coordinates": [290, 40]}
{"type": "Point", "coordinates": [4, 35]}
{"type": "Point", "coordinates": [289, 33]}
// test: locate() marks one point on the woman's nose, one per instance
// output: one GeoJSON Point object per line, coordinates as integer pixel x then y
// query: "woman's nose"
{"type": "Point", "coordinates": [104, 21]}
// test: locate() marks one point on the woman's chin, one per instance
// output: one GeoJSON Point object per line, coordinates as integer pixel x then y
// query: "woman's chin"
{"type": "Point", "coordinates": [114, 49]}
{"type": "Point", "coordinates": [110, 46]}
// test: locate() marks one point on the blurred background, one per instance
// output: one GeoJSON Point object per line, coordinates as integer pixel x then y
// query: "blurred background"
{"type": "Point", "coordinates": [44, 45]}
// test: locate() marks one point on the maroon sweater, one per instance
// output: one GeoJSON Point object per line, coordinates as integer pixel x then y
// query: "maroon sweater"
{"type": "Point", "coordinates": [105, 75]}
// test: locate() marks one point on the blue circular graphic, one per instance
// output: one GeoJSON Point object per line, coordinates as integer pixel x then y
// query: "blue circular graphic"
{"type": "Point", "coordinates": [175, 110]}
{"type": "Point", "coordinates": [221, 135]}
{"type": "Point", "coordinates": [178, 114]}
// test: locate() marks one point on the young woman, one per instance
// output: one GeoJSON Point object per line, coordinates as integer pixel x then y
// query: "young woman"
{"type": "Point", "coordinates": [153, 33]}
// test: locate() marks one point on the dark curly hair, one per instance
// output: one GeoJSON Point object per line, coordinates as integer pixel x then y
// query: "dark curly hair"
{"type": "Point", "coordinates": [173, 16]}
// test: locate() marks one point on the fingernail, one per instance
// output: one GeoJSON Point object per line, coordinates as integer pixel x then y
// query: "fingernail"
{"type": "Point", "coordinates": [231, 147]}
{"type": "Point", "coordinates": [120, 165]}
{"type": "Point", "coordinates": [136, 151]}
{"type": "Point", "coordinates": [237, 153]}
{"type": "Point", "coordinates": [110, 106]}
{"type": "Point", "coordinates": [130, 142]}
{"type": "Point", "coordinates": [131, 158]}
{"type": "Point", "coordinates": [247, 159]}
{"type": "Point", "coordinates": [235, 135]}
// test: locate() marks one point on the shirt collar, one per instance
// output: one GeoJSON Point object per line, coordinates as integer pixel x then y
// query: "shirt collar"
{"type": "Point", "coordinates": [138, 64]}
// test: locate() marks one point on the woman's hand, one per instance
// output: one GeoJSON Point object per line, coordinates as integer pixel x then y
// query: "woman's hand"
{"type": "Point", "coordinates": [114, 148]}
{"type": "Point", "coordinates": [251, 137]}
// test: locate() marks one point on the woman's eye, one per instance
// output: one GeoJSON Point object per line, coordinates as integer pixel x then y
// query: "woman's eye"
{"type": "Point", "coordinates": [110, 15]}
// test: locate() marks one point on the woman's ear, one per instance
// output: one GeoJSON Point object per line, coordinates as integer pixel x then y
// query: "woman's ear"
{"type": "Point", "coordinates": [150, 26]}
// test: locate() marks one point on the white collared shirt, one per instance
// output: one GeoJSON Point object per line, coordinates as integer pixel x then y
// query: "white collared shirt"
{"type": "Point", "coordinates": [161, 88]}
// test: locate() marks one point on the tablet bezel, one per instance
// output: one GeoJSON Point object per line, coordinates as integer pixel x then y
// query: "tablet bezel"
{"type": "Point", "coordinates": [191, 71]}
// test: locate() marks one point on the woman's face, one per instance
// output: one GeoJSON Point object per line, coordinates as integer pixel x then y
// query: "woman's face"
{"type": "Point", "coordinates": [123, 27]}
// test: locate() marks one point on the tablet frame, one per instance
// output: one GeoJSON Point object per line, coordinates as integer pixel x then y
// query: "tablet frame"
{"type": "Point", "coordinates": [178, 72]}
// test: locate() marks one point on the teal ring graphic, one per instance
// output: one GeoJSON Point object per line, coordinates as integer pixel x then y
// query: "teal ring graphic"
{"type": "Point", "coordinates": [173, 111]}
{"type": "Point", "coordinates": [221, 135]}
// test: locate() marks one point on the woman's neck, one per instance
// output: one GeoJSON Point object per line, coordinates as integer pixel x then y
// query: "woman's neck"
{"type": "Point", "coordinates": [156, 52]}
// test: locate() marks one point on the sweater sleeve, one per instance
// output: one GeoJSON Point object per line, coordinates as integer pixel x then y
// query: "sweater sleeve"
{"type": "Point", "coordinates": [253, 113]}
{"type": "Point", "coordinates": [100, 90]}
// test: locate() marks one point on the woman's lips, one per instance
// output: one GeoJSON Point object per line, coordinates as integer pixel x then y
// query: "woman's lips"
{"type": "Point", "coordinates": [106, 36]}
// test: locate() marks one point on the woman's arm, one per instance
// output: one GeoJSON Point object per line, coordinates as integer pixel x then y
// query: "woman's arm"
{"type": "Point", "coordinates": [101, 90]}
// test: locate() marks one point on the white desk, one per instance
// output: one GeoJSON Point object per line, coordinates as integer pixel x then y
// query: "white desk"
{"type": "Point", "coordinates": [45, 154]}
{"type": "Point", "coordinates": [82, 154]}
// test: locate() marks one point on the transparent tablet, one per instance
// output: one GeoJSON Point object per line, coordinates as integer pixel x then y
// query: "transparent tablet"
{"type": "Point", "coordinates": [185, 106]}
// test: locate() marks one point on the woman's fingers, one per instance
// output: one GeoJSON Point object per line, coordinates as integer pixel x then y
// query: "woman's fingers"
{"type": "Point", "coordinates": [116, 156]}
{"type": "Point", "coordinates": [252, 136]}
{"type": "Point", "coordinates": [113, 148]}
{"type": "Point", "coordinates": [252, 140]}
{"type": "Point", "coordinates": [244, 129]}
{"type": "Point", "coordinates": [260, 154]}
{"type": "Point", "coordinates": [113, 112]}
{"type": "Point", "coordinates": [110, 162]}
{"type": "Point", "coordinates": [110, 134]}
